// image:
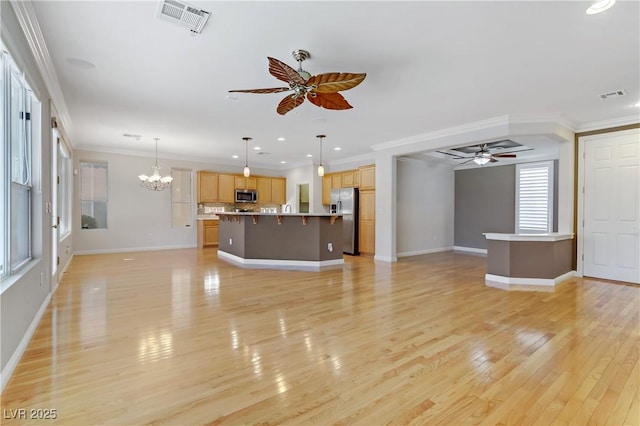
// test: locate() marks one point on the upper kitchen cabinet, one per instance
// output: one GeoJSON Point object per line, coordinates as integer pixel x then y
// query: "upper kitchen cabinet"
{"type": "Point", "coordinates": [348, 179]}
{"type": "Point", "coordinates": [242, 182]}
{"type": "Point", "coordinates": [207, 187]}
{"type": "Point", "coordinates": [271, 190]}
{"type": "Point", "coordinates": [226, 188]}
{"type": "Point", "coordinates": [326, 189]}
{"type": "Point", "coordinates": [368, 177]}
{"type": "Point", "coordinates": [278, 190]}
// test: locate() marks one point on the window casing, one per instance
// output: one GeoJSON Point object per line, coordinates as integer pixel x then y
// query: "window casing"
{"type": "Point", "coordinates": [181, 209]}
{"type": "Point", "coordinates": [534, 198]}
{"type": "Point", "coordinates": [65, 188]}
{"type": "Point", "coordinates": [16, 156]}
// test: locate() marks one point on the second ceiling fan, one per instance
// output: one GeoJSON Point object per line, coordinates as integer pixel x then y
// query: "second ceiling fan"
{"type": "Point", "coordinates": [321, 90]}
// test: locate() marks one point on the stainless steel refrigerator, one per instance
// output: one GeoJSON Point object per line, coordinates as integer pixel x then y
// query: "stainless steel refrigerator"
{"type": "Point", "coordinates": [345, 202]}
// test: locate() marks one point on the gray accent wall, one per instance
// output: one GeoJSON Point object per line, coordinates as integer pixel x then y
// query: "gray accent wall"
{"type": "Point", "coordinates": [485, 199]}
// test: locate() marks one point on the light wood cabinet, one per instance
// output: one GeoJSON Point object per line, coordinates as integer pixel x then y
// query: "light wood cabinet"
{"type": "Point", "coordinates": [326, 189]}
{"type": "Point", "coordinates": [368, 177]}
{"type": "Point", "coordinates": [207, 187]}
{"type": "Point", "coordinates": [208, 233]}
{"type": "Point", "coordinates": [242, 182]}
{"type": "Point", "coordinates": [226, 188]}
{"type": "Point", "coordinates": [278, 190]}
{"type": "Point", "coordinates": [367, 222]}
{"type": "Point", "coordinates": [336, 180]}
{"type": "Point", "coordinates": [271, 190]}
{"type": "Point", "coordinates": [348, 179]}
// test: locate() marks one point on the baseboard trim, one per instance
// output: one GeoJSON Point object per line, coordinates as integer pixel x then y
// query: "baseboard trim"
{"type": "Point", "coordinates": [426, 251]}
{"type": "Point", "coordinates": [11, 365]}
{"type": "Point", "coordinates": [470, 250]}
{"type": "Point", "coordinates": [547, 282]}
{"type": "Point", "coordinates": [387, 259]}
{"type": "Point", "coordinates": [298, 265]}
{"type": "Point", "coordinates": [133, 249]}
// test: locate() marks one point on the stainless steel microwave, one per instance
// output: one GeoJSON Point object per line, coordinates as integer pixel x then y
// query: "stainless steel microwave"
{"type": "Point", "coordinates": [246, 196]}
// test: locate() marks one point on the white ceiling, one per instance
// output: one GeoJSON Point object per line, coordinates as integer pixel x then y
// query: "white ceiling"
{"type": "Point", "coordinates": [430, 66]}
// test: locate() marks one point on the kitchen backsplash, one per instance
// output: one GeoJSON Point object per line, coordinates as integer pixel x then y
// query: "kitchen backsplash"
{"type": "Point", "coordinates": [212, 208]}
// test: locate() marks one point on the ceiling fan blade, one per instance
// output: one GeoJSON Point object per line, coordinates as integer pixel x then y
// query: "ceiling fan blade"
{"type": "Point", "coordinates": [289, 103]}
{"type": "Point", "coordinates": [329, 100]}
{"type": "Point", "coordinates": [465, 162]}
{"type": "Point", "coordinates": [284, 72]}
{"type": "Point", "coordinates": [270, 90]}
{"type": "Point", "coordinates": [505, 155]}
{"type": "Point", "coordinates": [456, 156]}
{"type": "Point", "coordinates": [493, 160]}
{"type": "Point", "coordinates": [335, 82]}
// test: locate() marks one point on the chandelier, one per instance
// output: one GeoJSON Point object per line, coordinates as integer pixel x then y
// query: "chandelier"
{"type": "Point", "coordinates": [155, 182]}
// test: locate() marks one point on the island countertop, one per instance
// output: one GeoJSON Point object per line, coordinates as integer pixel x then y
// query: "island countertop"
{"type": "Point", "coordinates": [276, 214]}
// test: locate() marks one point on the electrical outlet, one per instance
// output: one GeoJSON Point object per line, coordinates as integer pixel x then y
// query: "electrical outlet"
{"type": "Point", "coordinates": [230, 241]}
{"type": "Point", "coordinates": [330, 247]}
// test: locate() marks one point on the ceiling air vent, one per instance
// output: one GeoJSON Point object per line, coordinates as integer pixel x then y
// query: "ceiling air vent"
{"type": "Point", "coordinates": [183, 14]}
{"type": "Point", "coordinates": [614, 94]}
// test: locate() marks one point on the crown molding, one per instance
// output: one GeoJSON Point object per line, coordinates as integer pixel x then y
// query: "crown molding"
{"type": "Point", "coordinates": [606, 124]}
{"type": "Point", "coordinates": [450, 131]}
{"type": "Point", "coordinates": [28, 21]}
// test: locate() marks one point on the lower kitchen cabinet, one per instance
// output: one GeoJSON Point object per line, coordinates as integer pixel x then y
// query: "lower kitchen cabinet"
{"type": "Point", "coordinates": [208, 233]}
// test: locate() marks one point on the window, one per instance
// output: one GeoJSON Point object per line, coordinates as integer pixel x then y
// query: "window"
{"type": "Point", "coordinates": [181, 198]}
{"type": "Point", "coordinates": [93, 195]}
{"type": "Point", "coordinates": [17, 111]}
{"type": "Point", "coordinates": [534, 198]}
{"type": "Point", "coordinates": [64, 189]}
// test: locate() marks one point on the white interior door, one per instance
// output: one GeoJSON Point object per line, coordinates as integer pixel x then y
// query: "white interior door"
{"type": "Point", "coordinates": [612, 206]}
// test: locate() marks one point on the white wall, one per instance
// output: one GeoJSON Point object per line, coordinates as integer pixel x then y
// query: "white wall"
{"type": "Point", "coordinates": [297, 176]}
{"type": "Point", "coordinates": [138, 219]}
{"type": "Point", "coordinates": [425, 207]}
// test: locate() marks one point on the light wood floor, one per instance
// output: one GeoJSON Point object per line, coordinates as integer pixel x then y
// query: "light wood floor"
{"type": "Point", "coordinates": [178, 337]}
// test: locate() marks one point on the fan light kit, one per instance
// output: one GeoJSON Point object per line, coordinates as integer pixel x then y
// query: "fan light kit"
{"type": "Point", "coordinates": [600, 6]}
{"type": "Point", "coordinates": [322, 90]}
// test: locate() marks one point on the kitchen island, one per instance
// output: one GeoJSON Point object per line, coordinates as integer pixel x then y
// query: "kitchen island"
{"type": "Point", "coordinates": [302, 241]}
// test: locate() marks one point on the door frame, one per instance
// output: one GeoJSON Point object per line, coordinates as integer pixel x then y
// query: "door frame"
{"type": "Point", "coordinates": [581, 140]}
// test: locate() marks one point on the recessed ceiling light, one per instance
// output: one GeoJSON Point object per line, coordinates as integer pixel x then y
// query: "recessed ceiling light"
{"type": "Point", "coordinates": [283, 162]}
{"type": "Point", "coordinates": [231, 98]}
{"type": "Point", "coordinates": [257, 148]}
{"type": "Point", "coordinates": [600, 6]}
{"type": "Point", "coordinates": [637, 104]}
{"type": "Point", "coordinates": [309, 155]}
{"type": "Point", "coordinates": [337, 148]}
{"type": "Point", "coordinates": [234, 156]}
{"type": "Point", "coordinates": [281, 139]}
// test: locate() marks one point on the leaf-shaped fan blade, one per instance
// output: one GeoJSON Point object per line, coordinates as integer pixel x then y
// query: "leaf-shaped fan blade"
{"type": "Point", "coordinates": [335, 81]}
{"type": "Point", "coordinates": [329, 100]}
{"type": "Point", "coordinates": [284, 72]}
{"type": "Point", "coordinates": [505, 155]}
{"type": "Point", "coordinates": [289, 103]}
{"type": "Point", "coordinates": [271, 90]}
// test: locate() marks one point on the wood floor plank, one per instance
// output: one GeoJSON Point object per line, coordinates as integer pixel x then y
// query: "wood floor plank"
{"type": "Point", "coordinates": [179, 337]}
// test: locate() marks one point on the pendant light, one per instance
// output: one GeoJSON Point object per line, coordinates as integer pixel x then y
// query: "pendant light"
{"type": "Point", "coordinates": [321, 167]}
{"type": "Point", "coordinates": [246, 172]}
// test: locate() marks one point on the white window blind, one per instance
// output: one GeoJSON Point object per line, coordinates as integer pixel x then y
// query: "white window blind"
{"type": "Point", "coordinates": [534, 198]}
{"type": "Point", "coordinates": [93, 195]}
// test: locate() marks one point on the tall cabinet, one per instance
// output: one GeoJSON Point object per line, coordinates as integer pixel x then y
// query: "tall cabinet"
{"type": "Point", "coordinates": [367, 219]}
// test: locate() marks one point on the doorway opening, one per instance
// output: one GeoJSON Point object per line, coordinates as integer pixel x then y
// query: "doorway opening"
{"type": "Point", "coordinates": [303, 198]}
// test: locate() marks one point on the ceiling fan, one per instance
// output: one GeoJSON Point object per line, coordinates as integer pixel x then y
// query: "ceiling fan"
{"type": "Point", "coordinates": [485, 153]}
{"type": "Point", "coordinates": [484, 156]}
{"type": "Point", "coordinates": [322, 90]}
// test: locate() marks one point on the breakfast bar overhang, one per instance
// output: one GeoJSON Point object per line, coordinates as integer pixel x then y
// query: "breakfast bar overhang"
{"type": "Point", "coordinates": [302, 241]}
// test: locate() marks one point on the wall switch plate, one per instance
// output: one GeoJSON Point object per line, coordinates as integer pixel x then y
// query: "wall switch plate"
{"type": "Point", "coordinates": [230, 241]}
{"type": "Point", "coordinates": [330, 247]}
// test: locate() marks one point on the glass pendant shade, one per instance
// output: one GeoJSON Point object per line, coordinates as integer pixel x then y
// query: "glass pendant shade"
{"type": "Point", "coordinates": [320, 170]}
{"type": "Point", "coordinates": [321, 167]}
{"type": "Point", "coordinates": [246, 172]}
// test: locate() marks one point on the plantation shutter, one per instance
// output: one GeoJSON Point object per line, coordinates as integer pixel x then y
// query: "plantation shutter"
{"type": "Point", "coordinates": [534, 198]}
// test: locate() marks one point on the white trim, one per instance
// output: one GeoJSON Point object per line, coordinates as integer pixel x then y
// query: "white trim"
{"type": "Point", "coordinates": [470, 250]}
{"type": "Point", "coordinates": [451, 131]}
{"type": "Point", "coordinates": [607, 124]}
{"type": "Point", "coordinates": [426, 251]}
{"type": "Point", "coordinates": [529, 281]}
{"type": "Point", "coordinates": [528, 237]}
{"type": "Point", "coordinates": [11, 365]}
{"type": "Point", "coordinates": [133, 249]}
{"type": "Point", "coordinates": [387, 259]}
{"type": "Point", "coordinates": [300, 265]}
{"type": "Point", "coordinates": [29, 23]}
